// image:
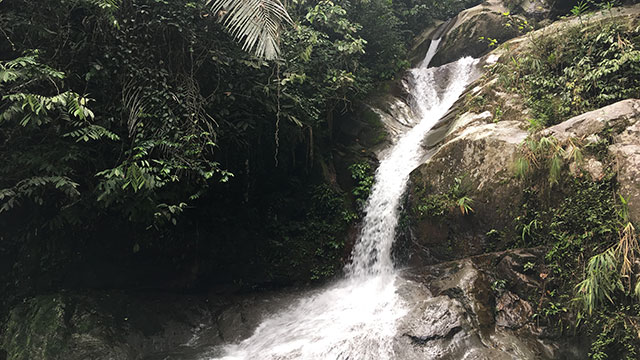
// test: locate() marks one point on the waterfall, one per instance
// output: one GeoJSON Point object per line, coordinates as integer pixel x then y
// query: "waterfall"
{"type": "Point", "coordinates": [433, 48]}
{"type": "Point", "coordinates": [356, 317]}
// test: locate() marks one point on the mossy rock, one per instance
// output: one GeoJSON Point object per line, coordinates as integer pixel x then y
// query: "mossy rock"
{"type": "Point", "coordinates": [36, 329]}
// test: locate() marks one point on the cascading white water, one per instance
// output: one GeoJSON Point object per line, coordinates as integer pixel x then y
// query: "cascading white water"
{"type": "Point", "coordinates": [356, 318]}
{"type": "Point", "coordinates": [372, 253]}
{"type": "Point", "coordinates": [433, 49]}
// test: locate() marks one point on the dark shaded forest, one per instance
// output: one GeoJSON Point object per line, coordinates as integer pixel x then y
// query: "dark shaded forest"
{"type": "Point", "coordinates": [143, 148]}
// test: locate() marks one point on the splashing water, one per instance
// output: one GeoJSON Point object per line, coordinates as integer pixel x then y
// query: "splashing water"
{"type": "Point", "coordinates": [356, 318]}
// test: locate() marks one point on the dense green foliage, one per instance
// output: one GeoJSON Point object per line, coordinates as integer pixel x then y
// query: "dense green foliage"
{"type": "Point", "coordinates": [141, 145]}
{"type": "Point", "coordinates": [590, 66]}
{"type": "Point", "coordinates": [587, 236]}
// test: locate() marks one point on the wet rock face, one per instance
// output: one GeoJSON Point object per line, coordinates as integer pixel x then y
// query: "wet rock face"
{"type": "Point", "coordinates": [455, 312]}
{"type": "Point", "coordinates": [512, 312]}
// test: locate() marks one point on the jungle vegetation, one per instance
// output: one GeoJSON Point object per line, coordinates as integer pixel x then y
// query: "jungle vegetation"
{"type": "Point", "coordinates": [144, 144]}
{"type": "Point", "coordinates": [159, 144]}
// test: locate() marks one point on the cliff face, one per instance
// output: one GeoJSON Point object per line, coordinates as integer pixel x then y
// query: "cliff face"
{"type": "Point", "coordinates": [523, 190]}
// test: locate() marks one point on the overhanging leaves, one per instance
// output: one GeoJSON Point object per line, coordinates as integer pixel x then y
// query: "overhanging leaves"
{"type": "Point", "coordinates": [255, 23]}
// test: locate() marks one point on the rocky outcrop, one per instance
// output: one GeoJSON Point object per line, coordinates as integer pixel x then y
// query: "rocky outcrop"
{"type": "Point", "coordinates": [621, 123]}
{"type": "Point", "coordinates": [590, 126]}
{"type": "Point", "coordinates": [463, 38]}
{"type": "Point", "coordinates": [477, 308]}
{"type": "Point", "coordinates": [534, 9]}
{"type": "Point", "coordinates": [483, 154]}
{"type": "Point", "coordinates": [483, 151]}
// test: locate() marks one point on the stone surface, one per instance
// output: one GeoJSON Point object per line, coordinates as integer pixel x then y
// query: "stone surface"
{"type": "Point", "coordinates": [483, 153]}
{"type": "Point", "coordinates": [463, 37]}
{"type": "Point", "coordinates": [512, 312]}
{"type": "Point", "coordinates": [452, 307]}
{"type": "Point", "coordinates": [126, 326]}
{"type": "Point", "coordinates": [626, 152]}
{"type": "Point", "coordinates": [615, 117]}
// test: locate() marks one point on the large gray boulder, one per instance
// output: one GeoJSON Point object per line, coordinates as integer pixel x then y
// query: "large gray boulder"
{"type": "Point", "coordinates": [463, 37]}
{"type": "Point", "coordinates": [481, 153]}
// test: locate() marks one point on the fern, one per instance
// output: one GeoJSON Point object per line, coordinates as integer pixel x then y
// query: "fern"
{"type": "Point", "coordinates": [27, 68]}
{"type": "Point", "coordinates": [35, 109]}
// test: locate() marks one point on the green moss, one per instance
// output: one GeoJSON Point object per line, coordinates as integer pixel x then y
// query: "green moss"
{"type": "Point", "coordinates": [375, 133]}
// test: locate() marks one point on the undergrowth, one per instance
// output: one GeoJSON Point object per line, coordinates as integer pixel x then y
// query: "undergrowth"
{"type": "Point", "coordinates": [590, 271]}
{"type": "Point", "coordinates": [587, 67]}
{"type": "Point", "coordinates": [437, 205]}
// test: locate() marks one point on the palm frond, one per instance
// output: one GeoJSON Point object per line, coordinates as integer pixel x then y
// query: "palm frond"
{"type": "Point", "coordinates": [255, 23]}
